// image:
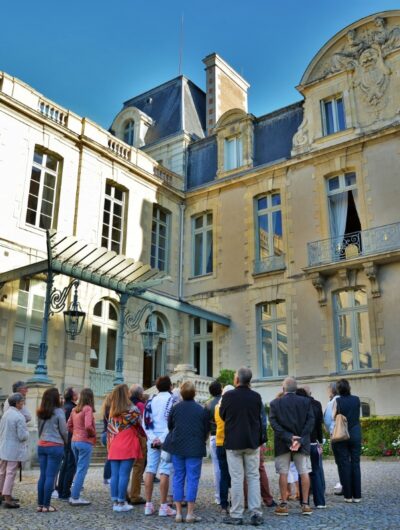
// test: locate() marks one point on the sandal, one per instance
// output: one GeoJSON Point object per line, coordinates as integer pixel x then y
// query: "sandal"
{"type": "Point", "coordinates": [193, 519]}
{"type": "Point", "coordinates": [49, 509]}
{"type": "Point", "coordinates": [39, 509]}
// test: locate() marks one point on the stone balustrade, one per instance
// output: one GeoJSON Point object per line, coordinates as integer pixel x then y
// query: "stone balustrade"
{"type": "Point", "coordinates": [52, 112]}
{"type": "Point", "coordinates": [186, 372]}
{"type": "Point", "coordinates": [119, 148]}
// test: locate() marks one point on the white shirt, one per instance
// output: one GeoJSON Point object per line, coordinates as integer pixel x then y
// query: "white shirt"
{"type": "Point", "coordinates": [159, 413]}
{"type": "Point", "coordinates": [328, 420]}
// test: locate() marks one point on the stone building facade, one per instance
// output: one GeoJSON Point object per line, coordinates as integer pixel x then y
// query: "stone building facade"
{"type": "Point", "coordinates": [288, 223]}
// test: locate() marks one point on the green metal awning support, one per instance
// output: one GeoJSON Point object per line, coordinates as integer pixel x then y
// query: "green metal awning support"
{"type": "Point", "coordinates": [103, 268]}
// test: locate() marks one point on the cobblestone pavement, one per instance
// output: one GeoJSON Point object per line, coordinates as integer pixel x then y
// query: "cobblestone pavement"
{"type": "Point", "coordinates": [378, 510]}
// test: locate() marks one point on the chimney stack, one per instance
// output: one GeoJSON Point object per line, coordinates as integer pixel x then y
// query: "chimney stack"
{"type": "Point", "coordinates": [226, 89]}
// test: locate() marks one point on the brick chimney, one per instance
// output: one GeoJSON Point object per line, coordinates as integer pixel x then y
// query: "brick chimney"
{"type": "Point", "coordinates": [226, 89]}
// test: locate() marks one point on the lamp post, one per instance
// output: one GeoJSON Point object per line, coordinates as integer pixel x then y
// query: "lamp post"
{"type": "Point", "coordinates": [74, 317]}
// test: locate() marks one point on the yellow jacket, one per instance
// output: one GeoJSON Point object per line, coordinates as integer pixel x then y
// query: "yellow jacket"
{"type": "Point", "coordinates": [220, 435]}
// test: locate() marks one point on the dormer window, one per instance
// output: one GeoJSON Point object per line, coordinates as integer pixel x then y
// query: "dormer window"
{"type": "Point", "coordinates": [333, 115]}
{"type": "Point", "coordinates": [129, 132]}
{"type": "Point", "coordinates": [233, 153]}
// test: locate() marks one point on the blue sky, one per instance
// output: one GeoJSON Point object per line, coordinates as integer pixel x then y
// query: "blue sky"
{"type": "Point", "coordinates": [91, 55]}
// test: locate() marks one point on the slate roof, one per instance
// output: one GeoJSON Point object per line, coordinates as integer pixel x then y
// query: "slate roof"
{"type": "Point", "coordinates": [175, 106]}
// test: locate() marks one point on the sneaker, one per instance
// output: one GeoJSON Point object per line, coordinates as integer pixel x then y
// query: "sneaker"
{"type": "Point", "coordinates": [149, 508]}
{"type": "Point", "coordinates": [272, 505]}
{"type": "Point", "coordinates": [306, 509]}
{"type": "Point", "coordinates": [79, 502]}
{"type": "Point", "coordinates": [337, 490]}
{"type": "Point", "coordinates": [193, 519]}
{"type": "Point", "coordinates": [54, 495]}
{"type": "Point", "coordinates": [348, 500]}
{"type": "Point", "coordinates": [356, 500]}
{"type": "Point", "coordinates": [321, 506]}
{"type": "Point", "coordinates": [166, 511]}
{"type": "Point", "coordinates": [106, 481]}
{"type": "Point", "coordinates": [256, 519]}
{"type": "Point", "coordinates": [282, 509]}
{"type": "Point", "coordinates": [125, 507]}
{"type": "Point", "coordinates": [232, 520]}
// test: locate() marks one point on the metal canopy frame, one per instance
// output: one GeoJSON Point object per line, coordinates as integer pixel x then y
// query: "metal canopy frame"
{"type": "Point", "coordinates": [98, 266]}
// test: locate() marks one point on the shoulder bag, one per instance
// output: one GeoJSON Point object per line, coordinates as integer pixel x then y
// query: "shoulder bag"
{"type": "Point", "coordinates": [341, 430]}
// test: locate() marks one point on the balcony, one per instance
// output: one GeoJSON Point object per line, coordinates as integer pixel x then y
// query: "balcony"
{"type": "Point", "coordinates": [270, 264]}
{"type": "Point", "coordinates": [101, 382]}
{"type": "Point", "coordinates": [382, 239]}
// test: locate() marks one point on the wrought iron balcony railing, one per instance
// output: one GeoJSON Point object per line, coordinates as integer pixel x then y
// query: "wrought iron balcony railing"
{"type": "Point", "coordinates": [271, 264]}
{"type": "Point", "coordinates": [364, 243]}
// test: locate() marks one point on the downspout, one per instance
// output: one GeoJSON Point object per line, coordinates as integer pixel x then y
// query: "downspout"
{"type": "Point", "coordinates": [181, 251]}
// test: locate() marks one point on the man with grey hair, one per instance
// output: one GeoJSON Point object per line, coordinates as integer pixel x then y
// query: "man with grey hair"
{"type": "Point", "coordinates": [292, 420]}
{"type": "Point", "coordinates": [20, 387]}
{"type": "Point", "coordinates": [241, 410]}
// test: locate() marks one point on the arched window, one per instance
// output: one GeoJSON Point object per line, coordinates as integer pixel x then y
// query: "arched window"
{"type": "Point", "coordinates": [104, 336]}
{"type": "Point", "coordinates": [129, 132]}
{"type": "Point", "coordinates": [155, 366]}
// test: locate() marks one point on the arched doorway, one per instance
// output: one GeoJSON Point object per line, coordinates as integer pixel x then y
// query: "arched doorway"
{"type": "Point", "coordinates": [155, 365]}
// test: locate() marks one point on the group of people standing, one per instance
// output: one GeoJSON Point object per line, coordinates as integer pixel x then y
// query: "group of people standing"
{"type": "Point", "coordinates": [167, 434]}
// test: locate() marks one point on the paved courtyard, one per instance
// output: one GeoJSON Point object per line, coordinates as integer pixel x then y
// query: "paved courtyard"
{"type": "Point", "coordinates": [379, 509]}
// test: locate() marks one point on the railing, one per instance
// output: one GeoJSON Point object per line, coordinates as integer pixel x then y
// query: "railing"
{"type": "Point", "coordinates": [119, 148]}
{"type": "Point", "coordinates": [270, 264]}
{"type": "Point", "coordinates": [364, 243]}
{"type": "Point", "coordinates": [52, 112]}
{"type": "Point", "coordinates": [185, 372]}
{"type": "Point", "coordinates": [163, 173]}
{"type": "Point", "coordinates": [101, 382]}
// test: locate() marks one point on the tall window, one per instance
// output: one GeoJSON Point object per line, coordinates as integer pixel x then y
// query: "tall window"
{"type": "Point", "coordinates": [104, 336]}
{"type": "Point", "coordinates": [269, 226]}
{"type": "Point", "coordinates": [343, 214]}
{"type": "Point", "coordinates": [202, 346]}
{"type": "Point", "coordinates": [333, 115]}
{"type": "Point", "coordinates": [272, 332]}
{"type": "Point", "coordinates": [202, 244]}
{"type": "Point", "coordinates": [113, 218]}
{"type": "Point", "coordinates": [42, 189]}
{"type": "Point", "coordinates": [129, 132]}
{"type": "Point", "coordinates": [159, 239]}
{"type": "Point", "coordinates": [28, 323]}
{"type": "Point", "coordinates": [233, 153]}
{"type": "Point", "coordinates": [353, 341]}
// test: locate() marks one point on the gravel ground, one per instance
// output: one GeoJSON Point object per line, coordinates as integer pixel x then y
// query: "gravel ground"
{"type": "Point", "coordinates": [379, 508]}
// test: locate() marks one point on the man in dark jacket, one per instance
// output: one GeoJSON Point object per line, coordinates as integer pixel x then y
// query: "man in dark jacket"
{"type": "Point", "coordinates": [68, 466]}
{"type": "Point", "coordinates": [241, 410]}
{"type": "Point", "coordinates": [292, 420]}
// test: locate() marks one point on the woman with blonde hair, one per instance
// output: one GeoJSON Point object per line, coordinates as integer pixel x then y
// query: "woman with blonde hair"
{"type": "Point", "coordinates": [123, 444]}
{"type": "Point", "coordinates": [83, 427]}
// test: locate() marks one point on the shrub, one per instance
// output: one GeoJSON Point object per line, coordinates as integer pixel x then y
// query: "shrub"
{"type": "Point", "coordinates": [226, 377]}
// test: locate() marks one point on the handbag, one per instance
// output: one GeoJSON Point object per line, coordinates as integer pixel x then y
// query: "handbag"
{"type": "Point", "coordinates": [341, 430]}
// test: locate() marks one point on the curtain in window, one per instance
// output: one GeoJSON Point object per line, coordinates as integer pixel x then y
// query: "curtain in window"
{"type": "Point", "coordinates": [338, 214]}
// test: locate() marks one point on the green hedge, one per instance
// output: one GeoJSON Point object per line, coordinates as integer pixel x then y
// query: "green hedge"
{"type": "Point", "coordinates": [380, 437]}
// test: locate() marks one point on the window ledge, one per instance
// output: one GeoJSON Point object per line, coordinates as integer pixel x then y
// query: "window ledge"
{"type": "Point", "coordinates": [201, 276]}
{"type": "Point", "coordinates": [349, 373]}
{"type": "Point", "coordinates": [335, 136]}
{"type": "Point", "coordinates": [269, 265]}
{"type": "Point", "coordinates": [271, 379]}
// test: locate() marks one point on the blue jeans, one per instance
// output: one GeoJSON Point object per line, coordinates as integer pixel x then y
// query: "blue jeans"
{"type": "Point", "coordinates": [189, 469]}
{"type": "Point", "coordinates": [50, 462]}
{"type": "Point", "coordinates": [107, 463]}
{"type": "Point", "coordinates": [225, 478]}
{"type": "Point", "coordinates": [120, 471]}
{"type": "Point", "coordinates": [82, 452]}
{"type": "Point", "coordinates": [317, 477]}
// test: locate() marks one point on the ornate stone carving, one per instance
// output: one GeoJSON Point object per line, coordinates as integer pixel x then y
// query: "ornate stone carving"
{"type": "Point", "coordinates": [372, 75]}
{"type": "Point", "coordinates": [301, 137]}
{"type": "Point", "coordinates": [371, 271]}
{"type": "Point", "coordinates": [318, 282]}
{"type": "Point", "coordinates": [388, 40]}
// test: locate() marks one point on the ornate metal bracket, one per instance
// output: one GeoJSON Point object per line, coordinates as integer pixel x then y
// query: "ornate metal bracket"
{"type": "Point", "coordinates": [371, 271]}
{"type": "Point", "coordinates": [132, 320]}
{"type": "Point", "coordinates": [318, 282]}
{"type": "Point", "coordinates": [58, 298]}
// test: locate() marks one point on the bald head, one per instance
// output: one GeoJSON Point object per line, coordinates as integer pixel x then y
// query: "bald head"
{"type": "Point", "coordinates": [289, 385]}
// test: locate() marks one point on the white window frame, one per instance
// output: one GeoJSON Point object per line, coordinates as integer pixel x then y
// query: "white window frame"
{"type": "Point", "coordinates": [335, 114]}
{"type": "Point", "coordinates": [268, 211]}
{"type": "Point", "coordinates": [129, 132]}
{"type": "Point", "coordinates": [36, 288]}
{"type": "Point", "coordinates": [204, 230]}
{"type": "Point", "coordinates": [106, 240]}
{"type": "Point", "coordinates": [236, 144]}
{"type": "Point", "coordinates": [40, 199]}
{"type": "Point", "coordinates": [104, 323]}
{"type": "Point", "coordinates": [155, 238]}
{"type": "Point", "coordinates": [351, 311]}
{"type": "Point", "coordinates": [204, 338]}
{"type": "Point", "coordinates": [273, 323]}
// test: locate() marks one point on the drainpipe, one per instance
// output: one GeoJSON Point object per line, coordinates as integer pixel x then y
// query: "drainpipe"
{"type": "Point", "coordinates": [181, 252]}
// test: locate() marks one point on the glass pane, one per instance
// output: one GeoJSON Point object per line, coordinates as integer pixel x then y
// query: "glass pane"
{"type": "Point", "coordinates": [30, 217]}
{"type": "Point", "coordinates": [33, 353]}
{"type": "Point", "coordinates": [108, 189]}
{"type": "Point", "coordinates": [333, 183]}
{"type": "Point", "coordinates": [116, 247]}
{"type": "Point", "coordinates": [209, 253]}
{"type": "Point", "coordinates": [196, 326]}
{"type": "Point", "coordinates": [38, 157]}
{"type": "Point", "coordinates": [106, 218]}
{"type": "Point", "coordinates": [345, 343]}
{"type": "Point", "coordinates": [364, 340]}
{"type": "Point", "coordinates": [107, 205]}
{"type": "Point", "coordinates": [18, 352]}
{"type": "Point", "coordinates": [48, 194]}
{"type": "Point", "coordinates": [49, 180]}
{"type": "Point", "coordinates": [45, 222]}
{"type": "Point", "coordinates": [32, 202]}
{"type": "Point", "coordinates": [34, 188]}
{"type": "Point", "coordinates": [262, 203]}
{"type": "Point", "coordinates": [95, 343]}
{"type": "Point", "coordinates": [209, 326]}
{"type": "Point", "coordinates": [47, 208]}
{"type": "Point", "coordinates": [116, 235]}
{"type": "Point", "coordinates": [209, 219]}
{"type": "Point", "coordinates": [158, 357]}
{"type": "Point", "coordinates": [343, 299]}
{"type": "Point", "coordinates": [51, 162]}
{"type": "Point", "coordinates": [112, 312]}
{"type": "Point", "coordinates": [230, 154]}
{"type": "Point", "coordinates": [209, 370]}
{"type": "Point", "coordinates": [198, 254]}
{"type": "Point", "coordinates": [340, 114]}
{"type": "Point", "coordinates": [360, 297]}
{"type": "Point", "coordinates": [111, 345]}
{"type": "Point", "coordinates": [239, 152]}
{"type": "Point", "coordinates": [263, 240]}
{"type": "Point", "coordinates": [280, 309]}
{"type": "Point", "coordinates": [198, 222]}
{"type": "Point", "coordinates": [36, 318]}
{"type": "Point", "coordinates": [350, 179]}
{"type": "Point", "coordinates": [277, 232]}
{"type": "Point", "coordinates": [266, 345]}
{"type": "Point", "coordinates": [23, 298]}
{"type": "Point", "coordinates": [160, 325]}
{"type": "Point", "coordinates": [196, 356]}
{"type": "Point", "coordinates": [266, 312]}
{"type": "Point", "coordinates": [119, 194]}
{"type": "Point", "coordinates": [117, 209]}
{"type": "Point", "coordinates": [329, 124]}
{"type": "Point", "coordinates": [163, 216]}
{"type": "Point", "coordinates": [283, 367]}
{"type": "Point", "coordinates": [24, 285]}
{"type": "Point", "coordinates": [162, 230]}
{"type": "Point", "coordinates": [21, 315]}
{"type": "Point", "coordinates": [276, 199]}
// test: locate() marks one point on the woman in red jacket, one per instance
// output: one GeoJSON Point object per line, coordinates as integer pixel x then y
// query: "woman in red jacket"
{"type": "Point", "coordinates": [82, 425]}
{"type": "Point", "coordinates": [123, 444]}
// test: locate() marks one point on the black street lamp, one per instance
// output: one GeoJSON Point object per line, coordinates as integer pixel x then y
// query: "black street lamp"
{"type": "Point", "coordinates": [74, 317]}
{"type": "Point", "coordinates": [150, 337]}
